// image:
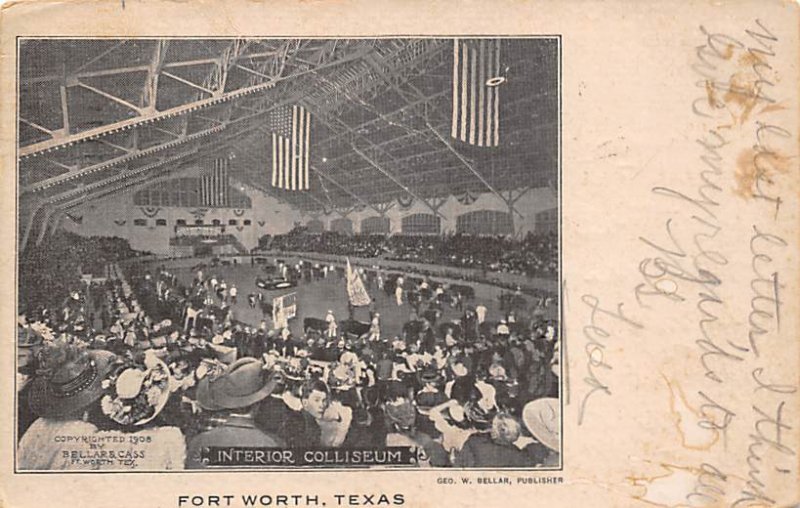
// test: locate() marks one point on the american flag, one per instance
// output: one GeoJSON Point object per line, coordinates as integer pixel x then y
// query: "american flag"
{"type": "Point", "coordinates": [215, 185]}
{"type": "Point", "coordinates": [476, 93]}
{"type": "Point", "coordinates": [291, 131]}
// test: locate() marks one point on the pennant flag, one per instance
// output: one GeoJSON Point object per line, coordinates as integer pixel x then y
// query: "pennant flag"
{"type": "Point", "coordinates": [215, 186]}
{"type": "Point", "coordinates": [290, 139]}
{"type": "Point", "coordinates": [467, 198]}
{"type": "Point", "coordinates": [356, 291]}
{"type": "Point", "coordinates": [150, 211]}
{"type": "Point", "coordinates": [198, 213]}
{"type": "Point", "coordinates": [405, 202]}
{"type": "Point", "coordinates": [476, 93]}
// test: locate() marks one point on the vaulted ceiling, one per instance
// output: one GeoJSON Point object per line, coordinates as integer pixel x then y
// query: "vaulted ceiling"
{"type": "Point", "coordinates": [102, 116]}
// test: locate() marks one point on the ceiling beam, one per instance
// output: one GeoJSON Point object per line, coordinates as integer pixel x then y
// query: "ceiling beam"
{"type": "Point", "coordinates": [111, 97]}
{"type": "Point", "coordinates": [130, 155]}
{"type": "Point", "coordinates": [466, 164]}
{"type": "Point", "coordinates": [150, 92]}
{"type": "Point", "coordinates": [419, 95]}
{"type": "Point", "coordinates": [336, 123]}
{"type": "Point", "coordinates": [394, 113]}
{"type": "Point", "coordinates": [37, 126]}
{"type": "Point", "coordinates": [187, 82]}
{"type": "Point", "coordinates": [343, 188]}
{"type": "Point", "coordinates": [100, 56]}
{"type": "Point", "coordinates": [395, 180]}
{"type": "Point", "coordinates": [64, 110]}
{"type": "Point", "coordinates": [135, 176]}
{"type": "Point", "coordinates": [83, 75]}
{"type": "Point", "coordinates": [149, 117]}
{"type": "Point", "coordinates": [80, 73]}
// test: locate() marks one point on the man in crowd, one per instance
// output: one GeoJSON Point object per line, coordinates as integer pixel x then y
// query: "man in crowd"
{"type": "Point", "coordinates": [457, 360]}
{"type": "Point", "coordinates": [332, 330]}
{"type": "Point", "coordinates": [237, 392]}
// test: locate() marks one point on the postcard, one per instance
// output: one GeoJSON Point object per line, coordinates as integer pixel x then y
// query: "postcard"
{"type": "Point", "coordinates": [448, 253]}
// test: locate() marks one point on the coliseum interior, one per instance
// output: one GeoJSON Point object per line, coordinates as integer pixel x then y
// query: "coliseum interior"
{"type": "Point", "coordinates": [331, 248]}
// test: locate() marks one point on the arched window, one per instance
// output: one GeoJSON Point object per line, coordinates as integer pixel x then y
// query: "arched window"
{"type": "Point", "coordinates": [485, 222]}
{"type": "Point", "coordinates": [315, 226]}
{"type": "Point", "coordinates": [547, 221]}
{"type": "Point", "coordinates": [342, 225]}
{"type": "Point", "coordinates": [375, 225]}
{"type": "Point", "coordinates": [421, 224]}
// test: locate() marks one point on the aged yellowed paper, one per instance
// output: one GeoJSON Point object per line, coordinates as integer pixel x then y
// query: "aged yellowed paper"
{"type": "Point", "coordinates": [351, 253]}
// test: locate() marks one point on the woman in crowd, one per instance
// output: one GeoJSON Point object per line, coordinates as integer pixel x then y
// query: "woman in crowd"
{"type": "Point", "coordinates": [456, 389]}
{"type": "Point", "coordinates": [103, 399]}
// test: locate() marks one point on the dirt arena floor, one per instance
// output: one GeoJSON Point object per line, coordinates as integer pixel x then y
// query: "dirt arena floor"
{"type": "Point", "coordinates": [316, 297]}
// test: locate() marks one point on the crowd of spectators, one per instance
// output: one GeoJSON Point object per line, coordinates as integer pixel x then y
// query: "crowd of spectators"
{"type": "Point", "coordinates": [168, 365]}
{"type": "Point", "coordinates": [52, 271]}
{"type": "Point", "coordinates": [535, 255]}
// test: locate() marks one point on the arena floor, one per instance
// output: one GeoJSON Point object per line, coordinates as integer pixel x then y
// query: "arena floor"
{"type": "Point", "coordinates": [316, 297]}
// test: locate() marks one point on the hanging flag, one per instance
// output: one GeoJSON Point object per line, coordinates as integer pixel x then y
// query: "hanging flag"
{"type": "Point", "coordinates": [291, 132]}
{"type": "Point", "coordinates": [215, 185]}
{"type": "Point", "coordinates": [356, 292]}
{"type": "Point", "coordinates": [476, 92]}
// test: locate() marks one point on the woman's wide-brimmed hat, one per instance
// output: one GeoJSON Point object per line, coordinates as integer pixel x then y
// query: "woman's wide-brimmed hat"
{"type": "Point", "coordinates": [244, 383]}
{"type": "Point", "coordinates": [140, 394]}
{"type": "Point", "coordinates": [541, 417]}
{"type": "Point", "coordinates": [341, 377]}
{"type": "Point", "coordinates": [71, 387]}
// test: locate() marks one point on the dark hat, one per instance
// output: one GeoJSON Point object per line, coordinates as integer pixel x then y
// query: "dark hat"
{"type": "Point", "coordinates": [27, 338]}
{"type": "Point", "coordinates": [403, 415]}
{"type": "Point", "coordinates": [72, 387]}
{"type": "Point", "coordinates": [429, 375]}
{"type": "Point", "coordinates": [244, 383]}
{"type": "Point", "coordinates": [478, 415]}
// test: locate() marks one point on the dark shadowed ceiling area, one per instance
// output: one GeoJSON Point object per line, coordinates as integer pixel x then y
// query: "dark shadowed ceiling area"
{"type": "Point", "coordinates": [97, 117]}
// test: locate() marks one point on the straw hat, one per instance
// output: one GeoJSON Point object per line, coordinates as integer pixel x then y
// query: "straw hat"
{"type": "Point", "coordinates": [541, 417]}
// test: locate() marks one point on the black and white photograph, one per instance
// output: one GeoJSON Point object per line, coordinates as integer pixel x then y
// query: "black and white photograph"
{"type": "Point", "coordinates": [288, 254]}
